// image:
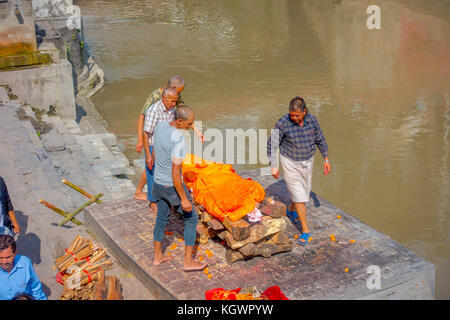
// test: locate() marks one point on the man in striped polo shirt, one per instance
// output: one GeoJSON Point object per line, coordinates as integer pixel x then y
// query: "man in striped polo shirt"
{"type": "Point", "coordinates": [297, 134]}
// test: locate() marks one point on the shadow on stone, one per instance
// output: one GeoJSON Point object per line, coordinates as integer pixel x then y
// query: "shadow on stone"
{"type": "Point", "coordinates": [315, 199]}
{"type": "Point", "coordinates": [80, 113]}
{"type": "Point", "coordinates": [279, 192]}
{"type": "Point", "coordinates": [46, 289]}
{"type": "Point", "coordinates": [28, 244]}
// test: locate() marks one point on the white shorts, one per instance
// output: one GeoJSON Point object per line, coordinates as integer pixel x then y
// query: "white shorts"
{"type": "Point", "coordinates": [298, 176]}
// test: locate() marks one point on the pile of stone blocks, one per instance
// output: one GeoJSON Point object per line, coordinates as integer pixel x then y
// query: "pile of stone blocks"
{"type": "Point", "coordinates": [244, 239]}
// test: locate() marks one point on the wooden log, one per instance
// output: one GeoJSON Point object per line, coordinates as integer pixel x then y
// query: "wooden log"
{"type": "Point", "coordinates": [265, 249]}
{"type": "Point", "coordinates": [233, 255]}
{"type": "Point", "coordinates": [215, 224]}
{"type": "Point", "coordinates": [73, 214]}
{"type": "Point", "coordinates": [100, 289]}
{"type": "Point", "coordinates": [204, 234]}
{"type": "Point", "coordinates": [70, 249]}
{"type": "Point", "coordinates": [114, 288]}
{"type": "Point", "coordinates": [248, 250]}
{"type": "Point", "coordinates": [266, 227]}
{"type": "Point", "coordinates": [206, 217]}
{"type": "Point", "coordinates": [240, 229]}
{"type": "Point", "coordinates": [59, 211]}
{"type": "Point", "coordinates": [76, 188]}
{"type": "Point", "coordinates": [269, 248]}
{"type": "Point", "coordinates": [280, 238]}
{"type": "Point", "coordinates": [270, 207]}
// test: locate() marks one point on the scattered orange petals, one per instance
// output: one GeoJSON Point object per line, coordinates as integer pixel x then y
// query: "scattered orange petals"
{"type": "Point", "coordinates": [169, 253]}
{"type": "Point", "coordinates": [338, 216]}
{"type": "Point", "coordinates": [332, 238]}
{"type": "Point", "coordinates": [180, 240]}
{"type": "Point", "coordinates": [201, 258]}
{"type": "Point", "coordinates": [352, 241]}
{"type": "Point", "coordinates": [346, 270]}
{"type": "Point", "coordinates": [296, 236]}
{"type": "Point", "coordinates": [210, 276]}
{"type": "Point", "coordinates": [205, 271]}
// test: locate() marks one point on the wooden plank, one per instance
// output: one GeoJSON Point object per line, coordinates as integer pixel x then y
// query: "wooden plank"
{"type": "Point", "coordinates": [240, 229]}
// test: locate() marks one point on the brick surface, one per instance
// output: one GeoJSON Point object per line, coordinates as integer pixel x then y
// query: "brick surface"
{"type": "Point", "coordinates": [315, 271]}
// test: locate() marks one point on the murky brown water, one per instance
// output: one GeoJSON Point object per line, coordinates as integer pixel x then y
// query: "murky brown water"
{"type": "Point", "coordinates": [382, 96]}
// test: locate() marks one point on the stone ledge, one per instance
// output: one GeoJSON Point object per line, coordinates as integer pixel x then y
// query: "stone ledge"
{"type": "Point", "coordinates": [315, 271]}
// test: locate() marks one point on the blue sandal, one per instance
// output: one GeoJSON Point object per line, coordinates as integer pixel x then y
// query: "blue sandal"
{"type": "Point", "coordinates": [305, 236]}
{"type": "Point", "coordinates": [293, 216]}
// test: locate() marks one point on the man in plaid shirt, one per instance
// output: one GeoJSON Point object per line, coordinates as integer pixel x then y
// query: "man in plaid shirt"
{"type": "Point", "coordinates": [297, 134]}
{"type": "Point", "coordinates": [177, 82]}
{"type": "Point", "coordinates": [161, 110]}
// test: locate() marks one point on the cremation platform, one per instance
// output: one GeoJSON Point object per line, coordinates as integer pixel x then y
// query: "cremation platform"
{"type": "Point", "coordinates": [323, 269]}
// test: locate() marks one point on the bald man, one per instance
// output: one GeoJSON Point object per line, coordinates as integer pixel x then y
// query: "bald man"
{"type": "Point", "coordinates": [161, 111]}
{"type": "Point", "coordinates": [168, 188]}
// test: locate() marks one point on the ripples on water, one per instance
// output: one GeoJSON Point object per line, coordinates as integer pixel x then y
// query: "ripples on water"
{"type": "Point", "coordinates": [381, 96]}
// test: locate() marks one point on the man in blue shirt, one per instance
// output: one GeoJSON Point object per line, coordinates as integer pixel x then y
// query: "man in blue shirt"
{"type": "Point", "coordinates": [17, 275]}
{"type": "Point", "coordinates": [297, 134]}
{"type": "Point", "coordinates": [168, 188]}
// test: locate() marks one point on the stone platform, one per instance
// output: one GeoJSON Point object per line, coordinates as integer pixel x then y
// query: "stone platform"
{"type": "Point", "coordinates": [315, 271]}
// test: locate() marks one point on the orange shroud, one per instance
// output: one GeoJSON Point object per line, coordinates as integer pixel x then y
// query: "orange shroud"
{"type": "Point", "coordinates": [219, 189]}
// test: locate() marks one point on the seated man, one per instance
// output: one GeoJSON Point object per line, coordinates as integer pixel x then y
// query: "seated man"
{"type": "Point", "coordinates": [8, 221]}
{"type": "Point", "coordinates": [168, 188]}
{"type": "Point", "coordinates": [17, 275]}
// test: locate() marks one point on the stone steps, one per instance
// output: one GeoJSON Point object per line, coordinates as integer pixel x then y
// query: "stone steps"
{"type": "Point", "coordinates": [91, 161]}
{"type": "Point", "coordinates": [32, 172]}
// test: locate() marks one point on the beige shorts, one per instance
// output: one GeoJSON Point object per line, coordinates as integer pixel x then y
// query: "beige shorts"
{"type": "Point", "coordinates": [298, 176]}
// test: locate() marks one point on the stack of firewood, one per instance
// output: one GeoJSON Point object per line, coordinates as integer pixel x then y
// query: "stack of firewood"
{"type": "Point", "coordinates": [82, 270]}
{"type": "Point", "coordinates": [245, 239]}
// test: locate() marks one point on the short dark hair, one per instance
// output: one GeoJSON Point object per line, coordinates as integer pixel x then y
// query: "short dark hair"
{"type": "Point", "coordinates": [298, 103]}
{"type": "Point", "coordinates": [6, 241]}
{"type": "Point", "coordinates": [23, 296]}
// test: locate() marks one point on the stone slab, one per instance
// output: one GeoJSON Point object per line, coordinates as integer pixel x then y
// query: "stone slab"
{"type": "Point", "coordinates": [315, 271]}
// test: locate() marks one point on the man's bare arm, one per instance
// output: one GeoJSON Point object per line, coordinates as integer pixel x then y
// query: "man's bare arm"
{"type": "Point", "coordinates": [148, 156]}
{"type": "Point", "coordinates": [140, 133]}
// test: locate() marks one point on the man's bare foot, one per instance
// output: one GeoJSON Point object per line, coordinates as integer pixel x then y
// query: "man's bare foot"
{"type": "Point", "coordinates": [153, 207]}
{"type": "Point", "coordinates": [140, 196]}
{"type": "Point", "coordinates": [194, 266]}
{"type": "Point", "coordinates": [158, 260]}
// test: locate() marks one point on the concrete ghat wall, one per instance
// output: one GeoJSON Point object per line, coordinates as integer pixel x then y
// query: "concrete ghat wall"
{"type": "Point", "coordinates": [45, 86]}
{"type": "Point", "coordinates": [51, 8]}
{"type": "Point", "coordinates": [17, 34]}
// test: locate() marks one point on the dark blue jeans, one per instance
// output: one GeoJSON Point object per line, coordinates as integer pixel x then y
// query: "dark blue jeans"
{"type": "Point", "coordinates": [166, 197]}
{"type": "Point", "coordinates": [150, 176]}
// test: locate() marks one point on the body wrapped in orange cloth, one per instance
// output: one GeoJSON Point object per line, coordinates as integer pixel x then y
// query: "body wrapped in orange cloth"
{"type": "Point", "coordinates": [219, 189]}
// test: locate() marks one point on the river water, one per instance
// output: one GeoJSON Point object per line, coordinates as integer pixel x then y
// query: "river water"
{"type": "Point", "coordinates": [382, 96]}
